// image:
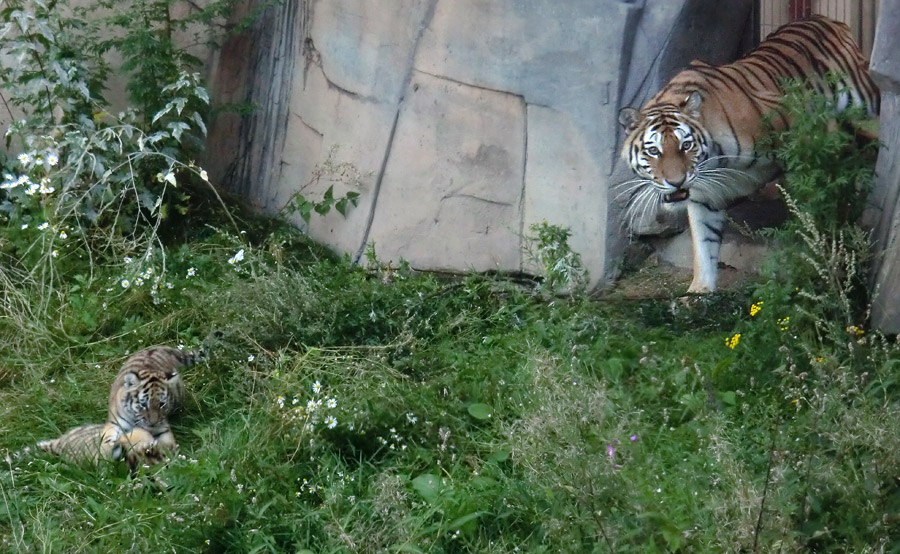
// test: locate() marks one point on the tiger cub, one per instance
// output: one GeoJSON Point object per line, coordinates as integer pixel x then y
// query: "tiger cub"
{"type": "Point", "coordinates": [694, 144]}
{"type": "Point", "coordinates": [98, 441]}
{"type": "Point", "coordinates": [147, 389]}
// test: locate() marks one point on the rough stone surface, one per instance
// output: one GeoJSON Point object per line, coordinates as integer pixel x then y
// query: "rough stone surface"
{"type": "Point", "coordinates": [456, 202]}
{"type": "Point", "coordinates": [560, 178]}
{"type": "Point", "coordinates": [885, 64]}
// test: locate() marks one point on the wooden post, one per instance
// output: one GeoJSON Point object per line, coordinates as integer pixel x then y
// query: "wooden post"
{"type": "Point", "coordinates": [883, 213]}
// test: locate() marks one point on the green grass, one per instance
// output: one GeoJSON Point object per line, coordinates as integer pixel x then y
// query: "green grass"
{"type": "Point", "coordinates": [472, 415]}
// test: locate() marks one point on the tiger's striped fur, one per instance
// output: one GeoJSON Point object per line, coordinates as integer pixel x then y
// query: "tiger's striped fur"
{"type": "Point", "coordinates": [693, 145]}
{"type": "Point", "coordinates": [102, 441]}
{"type": "Point", "coordinates": [149, 386]}
{"type": "Point", "coordinates": [146, 390]}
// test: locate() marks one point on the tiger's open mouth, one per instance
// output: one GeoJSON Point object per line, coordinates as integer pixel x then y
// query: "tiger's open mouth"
{"type": "Point", "coordinates": [677, 196]}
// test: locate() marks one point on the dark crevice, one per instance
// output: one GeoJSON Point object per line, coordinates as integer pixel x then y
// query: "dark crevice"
{"type": "Point", "coordinates": [376, 190]}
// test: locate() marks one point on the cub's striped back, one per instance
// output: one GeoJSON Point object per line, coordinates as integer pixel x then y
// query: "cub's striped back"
{"type": "Point", "coordinates": [84, 444]}
{"type": "Point", "coordinates": [88, 444]}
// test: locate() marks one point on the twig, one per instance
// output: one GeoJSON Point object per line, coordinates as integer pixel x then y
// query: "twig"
{"type": "Point", "coordinates": [762, 504]}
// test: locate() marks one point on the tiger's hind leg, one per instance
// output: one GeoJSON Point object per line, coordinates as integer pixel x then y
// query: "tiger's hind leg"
{"type": "Point", "coordinates": [706, 227]}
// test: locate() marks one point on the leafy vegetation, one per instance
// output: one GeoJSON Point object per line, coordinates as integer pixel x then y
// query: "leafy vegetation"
{"type": "Point", "coordinates": [376, 410]}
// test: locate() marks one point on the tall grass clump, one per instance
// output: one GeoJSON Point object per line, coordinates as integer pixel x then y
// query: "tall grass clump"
{"type": "Point", "coordinates": [86, 188]}
{"type": "Point", "coordinates": [832, 423]}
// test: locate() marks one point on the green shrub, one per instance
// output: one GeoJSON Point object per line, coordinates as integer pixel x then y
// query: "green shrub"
{"type": "Point", "coordinates": [89, 183]}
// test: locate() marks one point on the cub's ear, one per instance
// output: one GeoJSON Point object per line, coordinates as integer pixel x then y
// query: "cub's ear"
{"type": "Point", "coordinates": [691, 103]}
{"type": "Point", "coordinates": [628, 119]}
{"type": "Point", "coordinates": [131, 380]}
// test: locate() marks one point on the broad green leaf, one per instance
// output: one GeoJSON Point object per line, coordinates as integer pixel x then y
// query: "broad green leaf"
{"type": "Point", "coordinates": [428, 485]}
{"type": "Point", "coordinates": [479, 411]}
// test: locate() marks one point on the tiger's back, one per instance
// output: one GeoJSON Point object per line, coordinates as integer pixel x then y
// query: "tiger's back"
{"type": "Point", "coordinates": [84, 444]}
{"type": "Point", "coordinates": [736, 97]}
{"type": "Point", "coordinates": [693, 145]}
{"type": "Point", "coordinates": [91, 443]}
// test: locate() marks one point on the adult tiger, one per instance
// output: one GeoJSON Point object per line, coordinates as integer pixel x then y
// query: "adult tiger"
{"type": "Point", "coordinates": [693, 144]}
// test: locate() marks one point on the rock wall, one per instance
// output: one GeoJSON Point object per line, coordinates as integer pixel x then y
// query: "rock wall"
{"type": "Point", "coordinates": [883, 213]}
{"type": "Point", "coordinates": [466, 120]}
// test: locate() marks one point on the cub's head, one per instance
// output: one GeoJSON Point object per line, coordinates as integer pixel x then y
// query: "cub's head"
{"type": "Point", "coordinates": [144, 397]}
{"type": "Point", "coordinates": [665, 143]}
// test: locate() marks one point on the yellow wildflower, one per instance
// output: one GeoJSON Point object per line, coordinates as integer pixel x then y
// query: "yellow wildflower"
{"type": "Point", "coordinates": [755, 308]}
{"type": "Point", "coordinates": [733, 341]}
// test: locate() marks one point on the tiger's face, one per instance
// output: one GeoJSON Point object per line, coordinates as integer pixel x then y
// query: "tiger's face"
{"type": "Point", "coordinates": [144, 398]}
{"type": "Point", "coordinates": [665, 145]}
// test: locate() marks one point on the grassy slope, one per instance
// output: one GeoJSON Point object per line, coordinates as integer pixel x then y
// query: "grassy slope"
{"type": "Point", "coordinates": [471, 416]}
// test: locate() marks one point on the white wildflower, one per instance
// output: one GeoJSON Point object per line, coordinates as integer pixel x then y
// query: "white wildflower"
{"type": "Point", "coordinates": [237, 257]}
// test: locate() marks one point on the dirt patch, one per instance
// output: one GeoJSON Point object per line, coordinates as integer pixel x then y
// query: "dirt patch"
{"type": "Point", "coordinates": [653, 279]}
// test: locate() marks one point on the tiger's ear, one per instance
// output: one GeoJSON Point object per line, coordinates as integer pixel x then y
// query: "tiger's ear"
{"type": "Point", "coordinates": [131, 380]}
{"type": "Point", "coordinates": [691, 104]}
{"type": "Point", "coordinates": [628, 119]}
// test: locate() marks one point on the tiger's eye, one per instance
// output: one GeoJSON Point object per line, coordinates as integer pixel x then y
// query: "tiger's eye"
{"type": "Point", "coordinates": [653, 151]}
{"type": "Point", "coordinates": [687, 145]}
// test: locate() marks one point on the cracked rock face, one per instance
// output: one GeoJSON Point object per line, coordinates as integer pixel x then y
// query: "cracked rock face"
{"type": "Point", "coordinates": [465, 121]}
{"type": "Point", "coordinates": [451, 194]}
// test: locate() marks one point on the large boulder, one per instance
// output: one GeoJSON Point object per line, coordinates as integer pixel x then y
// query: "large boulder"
{"type": "Point", "coordinates": [464, 121]}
